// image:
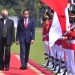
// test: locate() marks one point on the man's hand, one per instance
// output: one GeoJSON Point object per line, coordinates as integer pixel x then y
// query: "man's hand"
{"type": "Point", "coordinates": [65, 38]}
{"type": "Point", "coordinates": [32, 42]}
{"type": "Point", "coordinates": [17, 42]}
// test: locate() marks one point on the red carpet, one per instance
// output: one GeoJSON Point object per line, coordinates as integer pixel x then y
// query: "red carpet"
{"type": "Point", "coordinates": [42, 69]}
{"type": "Point", "coordinates": [15, 68]}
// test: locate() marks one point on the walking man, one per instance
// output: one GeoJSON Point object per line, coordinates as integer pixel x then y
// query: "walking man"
{"type": "Point", "coordinates": [7, 36]}
{"type": "Point", "coordinates": [25, 36]}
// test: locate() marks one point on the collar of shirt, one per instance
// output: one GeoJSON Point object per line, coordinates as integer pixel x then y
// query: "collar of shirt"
{"type": "Point", "coordinates": [5, 21]}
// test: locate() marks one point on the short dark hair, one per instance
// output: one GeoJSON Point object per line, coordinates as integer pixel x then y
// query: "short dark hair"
{"type": "Point", "coordinates": [25, 10]}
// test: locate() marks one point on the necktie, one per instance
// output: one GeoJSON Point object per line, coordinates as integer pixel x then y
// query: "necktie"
{"type": "Point", "coordinates": [25, 23]}
{"type": "Point", "coordinates": [5, 29]}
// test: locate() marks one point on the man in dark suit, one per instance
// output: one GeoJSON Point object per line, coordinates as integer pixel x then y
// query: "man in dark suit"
{"type": "Point", "coordinates": [25, 36]}
{"type": "Point", "coordinates": [6, 38]}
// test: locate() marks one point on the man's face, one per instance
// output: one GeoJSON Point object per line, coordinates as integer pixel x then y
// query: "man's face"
{"type": "Point", "coordinates": [26, 14]}
{"type": "Point", "coordinates": [5, 14]}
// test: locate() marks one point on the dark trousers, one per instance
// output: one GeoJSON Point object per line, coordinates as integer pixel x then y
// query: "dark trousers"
{"type": "Point", "coordinates": [4, 54]}
{"type": "Point", "coordinates": [24, 53]}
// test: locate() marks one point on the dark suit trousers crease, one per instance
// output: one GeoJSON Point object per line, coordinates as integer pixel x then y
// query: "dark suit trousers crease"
{"type": "Point", "coordinates": [4, 53]}
{"type": "Point", "coordinates": [24, 53]}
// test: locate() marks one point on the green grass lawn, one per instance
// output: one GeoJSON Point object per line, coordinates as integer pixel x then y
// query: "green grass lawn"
{"type": "Point", "coordinates": [36, 50]}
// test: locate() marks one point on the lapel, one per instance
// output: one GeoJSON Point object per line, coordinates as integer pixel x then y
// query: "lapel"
{"type": "Point", "coordinates": [28, 21]}
{"type": "Point", "coordinates": [21, 23]}
{"type": "Point", "coordinates": [7, 23]}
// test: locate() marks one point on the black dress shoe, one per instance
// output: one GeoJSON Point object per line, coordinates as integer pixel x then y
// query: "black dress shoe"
{"type": "Point", "coordinates": [23, 68]}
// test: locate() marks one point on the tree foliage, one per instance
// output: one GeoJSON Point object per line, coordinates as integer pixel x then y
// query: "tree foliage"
{"type": "Point", "coordinates": [15, 7]}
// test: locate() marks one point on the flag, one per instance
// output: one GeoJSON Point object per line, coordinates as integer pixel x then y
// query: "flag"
{"type": "Point", "coordinates": [55, 31]}
{"type": "Point", "coordinates": [59, 23]}
{"type": "Point", "coordinates": [59, 7]}
{"type": "Point", "coordinates": [64, 20]}
{"type": "Point", "coordinates": [56, 5]}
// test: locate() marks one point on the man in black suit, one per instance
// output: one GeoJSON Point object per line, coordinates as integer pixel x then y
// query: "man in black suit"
{"type": "Point", "coordinates": [26, 36]}
{"type": "Point", "coordinates": [7, 36]}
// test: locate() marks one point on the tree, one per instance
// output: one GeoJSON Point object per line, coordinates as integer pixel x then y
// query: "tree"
{"type": "Point", "coordinates": [15, 7]}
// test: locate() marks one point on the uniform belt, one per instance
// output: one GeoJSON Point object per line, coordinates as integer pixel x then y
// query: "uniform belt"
{"type": "Point", "coordinates": [71, 41]}
{"type": "Point", "coordinates": [46, 35]}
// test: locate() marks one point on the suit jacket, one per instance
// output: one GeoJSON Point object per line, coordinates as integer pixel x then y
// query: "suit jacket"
{"type": "Point", "coordinates": [10, 31]}
{"type": "Point", "coordinates": [27, 34]}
